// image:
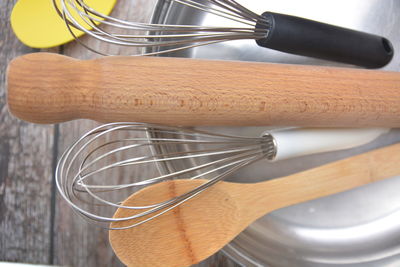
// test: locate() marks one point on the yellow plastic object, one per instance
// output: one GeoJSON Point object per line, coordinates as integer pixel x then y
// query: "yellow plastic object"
{"type": "Point", "coordinates": [37, 24]}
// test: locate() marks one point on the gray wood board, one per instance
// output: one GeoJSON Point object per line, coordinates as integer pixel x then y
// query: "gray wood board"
{"type": "Point", "coordinates": [25, 169]}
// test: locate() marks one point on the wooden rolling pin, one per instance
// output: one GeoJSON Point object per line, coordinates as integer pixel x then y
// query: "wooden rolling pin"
{"type": "Point", "coordinates": [50, 88]}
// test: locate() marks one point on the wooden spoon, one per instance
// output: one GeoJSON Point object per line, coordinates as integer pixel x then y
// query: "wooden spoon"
{"type": "Point", "coordinates": [200, 227]}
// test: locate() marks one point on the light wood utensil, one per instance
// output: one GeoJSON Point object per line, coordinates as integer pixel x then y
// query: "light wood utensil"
{"type": "Point", "coordinates": [50, 88]}
{"type": "Point", "coordinates": [200, 227]}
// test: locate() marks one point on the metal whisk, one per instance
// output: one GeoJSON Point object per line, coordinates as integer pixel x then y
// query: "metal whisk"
{"type": "Point", "coordinates": [159, 35]}
{"type": "Point", "coordinates": [112, 161]}
{"type": "Point", "coordinates": [272, 30]}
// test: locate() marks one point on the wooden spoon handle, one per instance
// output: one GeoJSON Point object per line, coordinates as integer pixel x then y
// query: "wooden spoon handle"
{"type": "Point", "coordinates": [321, 181]}
{"type": "Point", "coordinates": [49, 88]}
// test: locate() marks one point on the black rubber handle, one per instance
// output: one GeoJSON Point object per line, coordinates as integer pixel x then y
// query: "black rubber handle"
{"type": "Point", "coordinates": [315, 39]}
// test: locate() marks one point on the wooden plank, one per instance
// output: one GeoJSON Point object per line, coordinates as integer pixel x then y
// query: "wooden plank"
{"type": "Point", "coordinates": [25, 170]}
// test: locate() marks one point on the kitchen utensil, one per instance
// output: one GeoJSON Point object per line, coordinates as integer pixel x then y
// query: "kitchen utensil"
{"type": "Point", "coordinates": [272, 30]}
{"type": "Point", "coordinates": [200, 227]}
{"type": "Point", "coordinates": [50, 88]}
{"type": "Point", "coordinates": [324, 232]}
{"type": "Point", "coordinates": [37, 24]}
{"type": "Point", "coordinates": [104, 149]}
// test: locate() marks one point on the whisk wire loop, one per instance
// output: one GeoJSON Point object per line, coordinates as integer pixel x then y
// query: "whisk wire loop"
{"type": "Point", "coordinates": [79, 16]}
{"type": "Point", "coordinates": [85, 177]}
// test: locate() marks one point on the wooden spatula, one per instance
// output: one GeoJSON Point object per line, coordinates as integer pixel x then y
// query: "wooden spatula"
{"type": "Point", "coordinates": [201, 226]}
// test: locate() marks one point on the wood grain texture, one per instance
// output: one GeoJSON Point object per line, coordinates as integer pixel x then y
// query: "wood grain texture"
{"type": "Point", "coordinates": [48, 88]}
{"type": "Point", "coordinates": [26, 157]}
{"type": "Point", "coordinates": [76, 243]}
{"type": "Point", "coordinates": [203, 225]}
{"type": "Point", "coordinates": [25, 170]}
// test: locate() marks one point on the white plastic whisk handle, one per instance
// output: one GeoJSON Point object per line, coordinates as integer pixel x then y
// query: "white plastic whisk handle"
{"type": "Point", "coordinates": [304, 141]}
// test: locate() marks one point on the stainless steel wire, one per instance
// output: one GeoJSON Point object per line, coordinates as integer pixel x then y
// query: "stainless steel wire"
{"type": "Point", "coordinates": [110, 162]}
{"type": "Point", "coordinates": [152, 37]}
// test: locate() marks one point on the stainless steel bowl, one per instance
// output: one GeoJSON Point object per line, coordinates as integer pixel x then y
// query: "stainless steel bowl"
{"type": "Point", "coordinates": [356, 228]}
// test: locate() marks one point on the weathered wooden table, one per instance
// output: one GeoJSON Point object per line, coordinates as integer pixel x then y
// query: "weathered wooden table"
{"type": "Point", "coordinates": [36, 226]}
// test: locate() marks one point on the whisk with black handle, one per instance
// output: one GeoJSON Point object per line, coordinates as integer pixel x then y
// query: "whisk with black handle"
{"type": "Point", "coordinates": [271, 30]}
{"type": "Point", "coordinates": [89, 173]}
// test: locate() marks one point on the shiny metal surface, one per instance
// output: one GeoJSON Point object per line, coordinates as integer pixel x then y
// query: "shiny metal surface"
{"type": "Point", "coordinates": [79, 15]}
{"type": "Point", "coordinates": [356, 228]}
